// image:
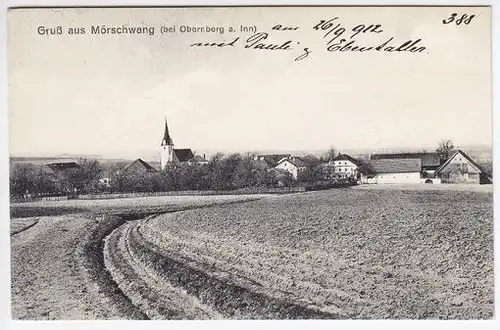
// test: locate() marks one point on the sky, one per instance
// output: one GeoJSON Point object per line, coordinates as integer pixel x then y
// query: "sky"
{"type": "Point", "coordinates": [109, 95]}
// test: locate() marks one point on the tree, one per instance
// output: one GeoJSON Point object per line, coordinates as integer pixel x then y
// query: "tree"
{"type": "Point", "coordinates": [331, 154]}
{"type": "Point", "coordinates": [283, 178]}
{"type": "Point", "coordinates": [445, 150]}
{"type": "Point", "coordinates": [91, 172]}
{"type": "Point", "coordinates": [217, 157]}
{"type": "Point", "coordinates": [24, 178]}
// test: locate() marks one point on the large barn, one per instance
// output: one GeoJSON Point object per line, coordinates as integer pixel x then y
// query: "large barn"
{"type": "Point", "coordinates": [460, 168]}
{"type": "Point", "coordinates": [392, 171]}
{"type": "Point", "coordinates": [430, 160]}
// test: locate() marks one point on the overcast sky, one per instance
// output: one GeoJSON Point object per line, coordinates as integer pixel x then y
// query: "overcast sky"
{"type": "Point", "coordinates": [109, 95]}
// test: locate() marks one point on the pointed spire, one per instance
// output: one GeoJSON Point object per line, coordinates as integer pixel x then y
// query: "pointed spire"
{"type": "Point", "coordinates": [167, 140]}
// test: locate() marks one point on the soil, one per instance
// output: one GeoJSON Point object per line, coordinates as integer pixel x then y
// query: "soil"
{"type": "Point", "coordinates": [57, 265]}
{"type": "Point", "coordinates": [365, 253]}
{"type": "Point", "coordinates": [353, 253]}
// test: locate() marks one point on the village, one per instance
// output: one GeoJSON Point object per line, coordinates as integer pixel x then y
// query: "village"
{"type": "Point", "coordinates": [183, 169]}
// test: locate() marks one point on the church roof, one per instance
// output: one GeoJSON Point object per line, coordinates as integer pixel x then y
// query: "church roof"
{"type": "Point", "coordinates": [167, 139]}
{"type": "Point", "coordinates": [183, 155]}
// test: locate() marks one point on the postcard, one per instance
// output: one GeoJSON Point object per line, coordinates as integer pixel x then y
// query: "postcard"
{"type": "Point", "coordinates": [284, 162]}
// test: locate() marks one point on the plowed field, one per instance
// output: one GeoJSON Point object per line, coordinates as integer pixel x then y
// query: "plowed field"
{"type": "Point", "coordinates": [344, 253]}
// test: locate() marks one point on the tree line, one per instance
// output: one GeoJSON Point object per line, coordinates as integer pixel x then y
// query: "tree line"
{"type": "Point", "coordinates": [223, 172]}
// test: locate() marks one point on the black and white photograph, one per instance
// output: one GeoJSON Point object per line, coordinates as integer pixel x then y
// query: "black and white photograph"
{"type": "Point", "coordinates": [251, 163]}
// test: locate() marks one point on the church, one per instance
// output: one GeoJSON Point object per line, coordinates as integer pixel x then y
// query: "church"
{"type": "Point", "coordinates": [170, 156]}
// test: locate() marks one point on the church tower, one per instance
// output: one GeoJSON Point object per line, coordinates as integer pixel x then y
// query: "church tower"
{"type": "Point", "coordinates": [166, 148]}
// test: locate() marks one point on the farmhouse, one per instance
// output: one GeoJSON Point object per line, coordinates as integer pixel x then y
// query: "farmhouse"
{"type": "Point", "coordinates": [392, 171]}
{"type": "Point", "coordinates": [61, 176]}
{"type": "Point", "coordinates": [345, 166]}
{"type": "Point", "coordinates": [296, 166]}
{"type": "Point", "coordinates": [270, 160]}
{"type": "Point", "coordinates": [460, 168]}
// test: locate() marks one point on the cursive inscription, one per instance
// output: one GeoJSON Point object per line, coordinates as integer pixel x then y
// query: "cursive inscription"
{"type": "Point", "coordinates": [364, 37]}
{"type": "Point", "coordinates": [256, 42]}
{"type": "Point", "coordinates": [216, 44]}
{"type": "Point", "coordinates": [341, 39]}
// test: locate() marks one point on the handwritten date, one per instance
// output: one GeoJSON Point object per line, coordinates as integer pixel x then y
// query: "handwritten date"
{"type": "Point", "coordinates": [332, 26]}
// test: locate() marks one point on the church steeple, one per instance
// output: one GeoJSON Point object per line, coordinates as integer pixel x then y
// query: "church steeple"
{"type": "Point", "coordinates": [167, 140]}
{"type": "Point", "coordinates": [166, 148]}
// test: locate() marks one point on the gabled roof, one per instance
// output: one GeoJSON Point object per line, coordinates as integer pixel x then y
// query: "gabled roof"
{"type": "Point", "coordinates": [183, 155]}
{"type": "Point", "coordinates": [428, 158]}
{"type": "Point", "coordinates": [273, 159]}
{"type": "Point", "coordinates": [346, 157]}
{"type": "Point", "coordinates": [63, 170]}
{"type": "Point", "coordinates": [296, 161]}
{"type": "Point", "coordinates": [394, 165]}
{"type": "Point", "coordinates": [140, 164]}
{"type": "Point", "coordinates": [464, 155]}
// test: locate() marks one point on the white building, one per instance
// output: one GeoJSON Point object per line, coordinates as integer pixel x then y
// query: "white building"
{"type": "Point", "coordinates": [393, 171]}
{"type": "Point", "coordinates": [294, 165]}
{"type": "Point", "coordinates": [345, 166]}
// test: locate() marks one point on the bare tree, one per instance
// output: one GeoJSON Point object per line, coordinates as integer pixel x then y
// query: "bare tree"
{"type": "Point", "coordinates": [445, 149]}
{"type": "Point", "coordinates": [217, 157]}
{"type": "Point", "coordinates": [331, 154]}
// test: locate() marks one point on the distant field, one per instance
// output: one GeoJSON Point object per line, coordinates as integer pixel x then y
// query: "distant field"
{"type": "Point", "coordinates": [342, 253]}
{"type": "Point", "coordinates": [121, 205]}
{"type": "Point", "coordinates": [485, 188]}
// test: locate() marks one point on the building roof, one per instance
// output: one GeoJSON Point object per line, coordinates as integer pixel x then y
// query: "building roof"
{"type": "Point", "coordinates": [140, 164]}
{"type": "Point", "coordinates": [273, 159]}
{"type": "Point", "coordinates": [63, 169]}
{"type": "Point", "coordinates": [464, 155]}
{"type": "Point", "coordinates": [167, 139]}
{"type": "Point", "coordinates": [63, 166]}
{"type": "Point", "coordinates": [183, 155]}
{"type": "Point", "coordinates": [199, 159]}
{"type": "Point", "coordinates": [346, 157]}
{"type": "Point", "coordinates": [296, 161]}
{"type": "Point", "coordinates": [429, 159]}
{"type": "Point", "coordinates": [394, 165]}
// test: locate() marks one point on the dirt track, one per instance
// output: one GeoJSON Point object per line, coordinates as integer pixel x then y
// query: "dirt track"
{"type": "Point", "coordinates": [57, 267]}
{"type": "Point", "coordinates": [49, 277]}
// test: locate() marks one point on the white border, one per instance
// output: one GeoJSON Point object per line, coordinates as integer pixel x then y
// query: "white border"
{"type": "Point", "coordinates": [6, 323]}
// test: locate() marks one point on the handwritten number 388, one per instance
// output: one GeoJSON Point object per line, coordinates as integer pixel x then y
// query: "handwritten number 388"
{"type": "Point", "coordinates": [466, 19]}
